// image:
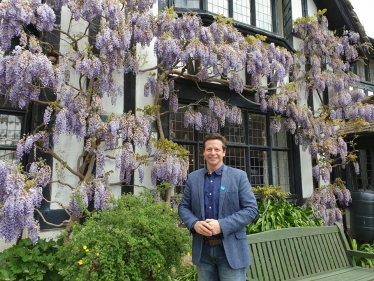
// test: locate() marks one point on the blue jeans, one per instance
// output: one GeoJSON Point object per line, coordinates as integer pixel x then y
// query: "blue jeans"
{"type": "Point", "coordinates": [214, 266]}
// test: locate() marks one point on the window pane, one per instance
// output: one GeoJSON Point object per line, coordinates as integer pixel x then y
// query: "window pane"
{"type": "Point", "coordinates": [263, 15]}
{"type": "Point", "coordinates": [10, 129]}
{"type": "Point", "coordinates": [280, 139]}
{"type": "Point", "coordinates": [219, 7]}
{"type": "Point", "coordinates": [259, 168]}
{"type": "Point", "coordinates": [242, 11]}
{"type": "Point", "coordinates": [202, 160]}
{"type": "Point", "coordinates": [257, 129]}
{"type": "Point", "coordinates": [177, 129]}
{"type": "Point", "coordinates": [371, 69]}
{"type": "Point", "coordinates": [235, 134]}
{"type": "Point", "coordinates": [193, 4]}
{"type": "Point", "coordinates": [9, 155]}
{"type": "Point", "coordinates": [363, 180]}
{"type": "Point", "coordinates": [361, 70]}
{"type": "Point", "coordinates": [235, 157]}
{"type": "Point", "coordinates": [281, 174]}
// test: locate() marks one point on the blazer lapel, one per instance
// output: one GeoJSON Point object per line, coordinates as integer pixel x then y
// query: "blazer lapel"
{"type": "Point", "coordinates": [200, 188]}
{"type": "Point", "coordinates": [223, 189]}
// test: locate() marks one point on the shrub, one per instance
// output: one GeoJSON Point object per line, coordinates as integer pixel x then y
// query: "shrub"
{"type": "Point", "coordinates": [137, 239]}
{"type": "Point", "coordinates": [26, 261]}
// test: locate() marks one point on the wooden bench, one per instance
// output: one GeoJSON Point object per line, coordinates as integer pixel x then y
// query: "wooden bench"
{"type": "Point", "coordinates": [305, 253]}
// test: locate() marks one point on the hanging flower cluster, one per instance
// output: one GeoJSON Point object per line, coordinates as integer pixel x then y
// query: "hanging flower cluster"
{"type": "Point", "coordinates": [329, 200]}
{"type": "Point", "coordinates": [170, 163]}
{"type": "Point", "coordinates": [96, 190]}
{"type": "Point", "coordinates": [20, 193]}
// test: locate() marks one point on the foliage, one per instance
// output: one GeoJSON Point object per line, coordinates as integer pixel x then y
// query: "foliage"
{"type": "Point", "coordinates": [26, 261]}
{"type": "Point", "coordinates": [367, 248]}
{"type": "Point", "coordinates": [276, 214]}
{"type": "Point", "coordinates": [270, 191]}
{"type": "Point", "coordinates": [187, 273]}
{"type": "Point", "coordinates": [73, 83]}
{"type": "Point", "coordinates": [328, 201]}
{"type": "Point", "coordinates": [137, 239]}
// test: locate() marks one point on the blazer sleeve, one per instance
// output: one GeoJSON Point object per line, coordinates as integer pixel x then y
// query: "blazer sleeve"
{"type": "Point", "coordinates": [185, 210]}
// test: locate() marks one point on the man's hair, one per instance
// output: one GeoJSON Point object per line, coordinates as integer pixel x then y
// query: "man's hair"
{"type": "Point", "coordinates": [215, 136]}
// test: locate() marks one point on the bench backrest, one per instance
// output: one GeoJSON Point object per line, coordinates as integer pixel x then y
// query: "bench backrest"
{"type": "Point", "coordinates": [293, 252]}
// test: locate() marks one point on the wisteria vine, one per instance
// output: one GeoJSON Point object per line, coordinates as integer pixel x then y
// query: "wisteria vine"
{"type": "Point", "coordinates": [218, 52]}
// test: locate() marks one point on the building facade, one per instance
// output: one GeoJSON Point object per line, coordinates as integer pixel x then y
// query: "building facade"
{"type": "Point", "coordinates": [268, 159]}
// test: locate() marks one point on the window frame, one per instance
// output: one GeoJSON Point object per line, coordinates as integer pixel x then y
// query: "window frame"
{"type": "Point", "coordinates": [203, 7]}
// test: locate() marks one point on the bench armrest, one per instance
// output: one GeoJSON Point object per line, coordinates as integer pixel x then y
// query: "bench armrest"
{"type": "Point", "coordinates": [360, 254]}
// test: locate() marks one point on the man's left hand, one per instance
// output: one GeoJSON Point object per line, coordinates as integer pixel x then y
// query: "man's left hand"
{"type": "Point", "coordinates": [216, 228]}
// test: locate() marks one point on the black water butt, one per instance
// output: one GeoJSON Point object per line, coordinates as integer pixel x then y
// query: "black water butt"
{"type": "Point", "coordinates": [362, 216]}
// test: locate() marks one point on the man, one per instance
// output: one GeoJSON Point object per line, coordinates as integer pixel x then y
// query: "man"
{"type": "Point", "coordinates": [217, 204]}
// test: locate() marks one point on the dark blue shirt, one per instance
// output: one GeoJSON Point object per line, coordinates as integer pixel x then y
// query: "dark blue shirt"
{"type": "Point", "coordinates": [212, 186]}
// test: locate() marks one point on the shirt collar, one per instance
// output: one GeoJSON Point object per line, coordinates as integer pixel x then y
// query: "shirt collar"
{"type": "Point", "coordinates": [218, 171]}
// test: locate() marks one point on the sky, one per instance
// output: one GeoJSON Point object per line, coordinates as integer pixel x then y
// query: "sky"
{"type": "Point", "coordinates": [364, 10]}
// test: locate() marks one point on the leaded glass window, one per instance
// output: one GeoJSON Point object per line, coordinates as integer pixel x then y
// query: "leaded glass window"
{"type": "Point", "coordinates": [364, 180]}
{"type": "Point", "coordinates": [191, 4]}
{"type": "Point", "coordinates": [245, 11]}
{"type": "Point", "coordinates": [242, 11]}
{"type": "Point", "coordinates": [235, 157]}
{"type": "Point", "coordinates": [264, 14]}
{"type": "Point", "coordinates": [257, 129]}
{"type": "Point", "coordinates": [219, 7]}
{"type": "Point", "coordinates": [280, 169]}
{"type": "Point", "coordinates": [249, 148]}
{"type": "Point", "coordinates": [279, 139]}
{"type": "Point", "coordinates": [10, 133]}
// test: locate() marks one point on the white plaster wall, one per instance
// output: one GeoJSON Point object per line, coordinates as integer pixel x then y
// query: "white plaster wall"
{"type": "Point", "coordinates": [148, 60]}
{"type": "Point", "coordinates": [296, 9]}
{"type": "Point", "coordinates": [68, 148]}
{"type": "Point", "coordinates": [142, 101]}
{"type": "Point", "coordinates": [4, 245]}
{"type": "Point", "coordinates": [305, 159]}
{"type": "Point", "coordinates": [312, 9]}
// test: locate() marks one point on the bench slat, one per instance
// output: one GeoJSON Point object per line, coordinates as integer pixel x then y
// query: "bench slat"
{"type": "Point", "coordinates": [273, 274]}
{"type": "Point", "coordinates": [290, 261]}
{"type": "Point", "coordinates": [287, 233]}
{"type": "Point", "coordinates": [282, 265]}
{"type": "Point", "coordinates": [347, 274]}
{"type": "Point", "coordinates": [329, 255]}
{"type": "Point", "coordinates": [318, 249]}
{"type": "Point", "coordinates": [310, 262]}
{"type": "Point", "coordinates": [255, 268]}
{"type": "Point", "coordinates": [316, 260]}
{"type": "Point", "coordinates": [276, 261]}
{"type": "Point", "coordinates": [263, 253]}
{"type": "Point", "coordinates": [340, 254]}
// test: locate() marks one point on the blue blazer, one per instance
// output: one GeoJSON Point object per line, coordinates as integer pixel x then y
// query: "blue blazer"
{"type": "Point", "coordinates": [237, 208]}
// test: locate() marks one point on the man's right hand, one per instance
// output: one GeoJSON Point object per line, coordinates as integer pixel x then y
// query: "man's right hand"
{"type": "Point", "coordinates": [203, 228]}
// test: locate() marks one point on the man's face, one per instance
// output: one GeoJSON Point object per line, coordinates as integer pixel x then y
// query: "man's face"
{"type": "Point", "coordinates": [214, 153]}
